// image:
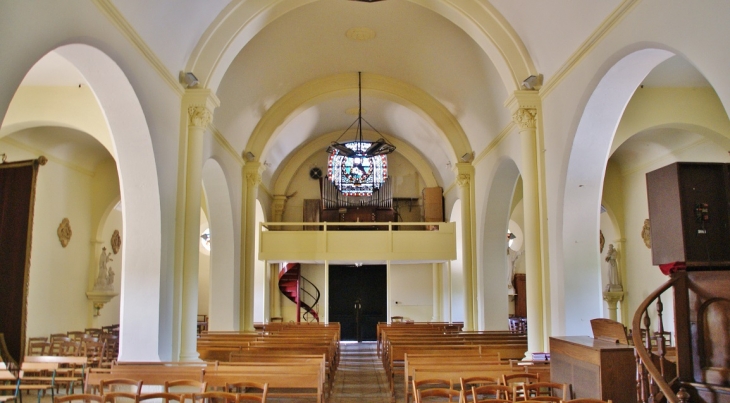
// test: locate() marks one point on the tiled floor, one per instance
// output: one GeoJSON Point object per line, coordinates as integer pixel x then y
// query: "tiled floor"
{"type": "Point", "coordinates": [360, 376]}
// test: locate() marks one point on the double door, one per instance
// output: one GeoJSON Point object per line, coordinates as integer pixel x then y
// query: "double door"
{"type": "Point", "coordinates": [358, 300]}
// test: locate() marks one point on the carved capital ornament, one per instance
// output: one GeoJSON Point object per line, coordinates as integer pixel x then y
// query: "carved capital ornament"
{"type": "Point", "coordinates": [525, 118]}
{"type": "Point", "coordinates": [199, 116]}
{"type": "Point", "coordinates": [463, 180]}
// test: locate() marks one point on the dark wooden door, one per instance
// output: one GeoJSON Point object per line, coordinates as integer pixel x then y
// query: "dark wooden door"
{"type": "Point", "coordinates": [364, 287]}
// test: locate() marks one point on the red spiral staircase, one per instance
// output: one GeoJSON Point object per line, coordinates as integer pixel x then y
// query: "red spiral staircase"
{"type": "Point", "coordinates": [300, 291]}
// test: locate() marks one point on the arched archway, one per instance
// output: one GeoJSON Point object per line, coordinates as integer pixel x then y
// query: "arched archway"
{"type": "Point", "coordinates": [494, 278]}
{"type": "Point", "coordinates": [582, 195]}
{"type": "Point", "coordinates": [224, 279]}
{"type": "Point", "coordinates": [140, 317]}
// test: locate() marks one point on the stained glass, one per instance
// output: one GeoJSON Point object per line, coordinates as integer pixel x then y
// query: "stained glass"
{"type": "Point", "coordinates": [358, 175]}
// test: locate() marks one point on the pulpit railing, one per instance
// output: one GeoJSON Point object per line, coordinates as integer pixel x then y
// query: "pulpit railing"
{"type": "Point", "coordinates": [651, 383]}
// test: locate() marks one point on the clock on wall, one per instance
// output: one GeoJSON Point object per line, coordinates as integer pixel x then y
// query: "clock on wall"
{"type": "Point", "coordinates": [315, 173]}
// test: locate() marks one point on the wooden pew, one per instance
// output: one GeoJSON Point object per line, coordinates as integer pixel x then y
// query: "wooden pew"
{"type": "Point", "coordinates": [149, 374]}
{"type": "Point", "coordinates": [287, 380]}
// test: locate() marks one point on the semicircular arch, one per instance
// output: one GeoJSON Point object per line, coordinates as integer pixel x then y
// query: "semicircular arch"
{"type": "Point", "coordinates": [240, 22]}
{"type": "Point", "coordinates": [322, 89]}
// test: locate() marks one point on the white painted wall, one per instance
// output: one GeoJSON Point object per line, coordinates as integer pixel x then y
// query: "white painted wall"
{"type": "Point", "coordinates": [412, 291]}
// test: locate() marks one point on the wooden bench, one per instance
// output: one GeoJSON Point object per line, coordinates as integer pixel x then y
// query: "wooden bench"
{"type": "Point", "coordinates": [285, 380]}
{"type": "Point", "coordinates": [69, 370]}
{"type": "Point", "coordinates": [153, 374]}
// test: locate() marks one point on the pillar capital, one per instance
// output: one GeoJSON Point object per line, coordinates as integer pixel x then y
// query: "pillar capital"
{"type": "Point", "coordinates": [277, 207]}
{"type": "Point", "coordinates": [464, 174]}
{"type": "Point", "coordinates": [252, 171]}
{"type": "Point", "coordinates": [200, 104]}
{"type": "Point", "coordinates": [524, 106]}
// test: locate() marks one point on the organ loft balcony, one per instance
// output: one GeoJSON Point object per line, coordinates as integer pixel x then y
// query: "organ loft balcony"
{"type": "Point", "coordinates": [357, 241]}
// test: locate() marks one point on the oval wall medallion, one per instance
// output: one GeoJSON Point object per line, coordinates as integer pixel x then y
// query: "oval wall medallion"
{"type": "Point", "coordinates": [64, 232]}
{"type": "Point", "coordinates": [116, 241]}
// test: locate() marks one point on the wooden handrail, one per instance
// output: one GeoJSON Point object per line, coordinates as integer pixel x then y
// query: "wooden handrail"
{"type": "Point", "coordinates": [644, 356]}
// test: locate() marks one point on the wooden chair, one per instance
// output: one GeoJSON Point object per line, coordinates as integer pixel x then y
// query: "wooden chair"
{"type": "Point", "coordinates": [120, 397]}
{"type": "Point", "coordinates": [438, 394]}
{"type": "Point", "coordinates": [81, 397]}
{"type": "Point", "coordinates": [185, 387]}
{"type": "Point", "coordinates": [95, 353]}
{"type": "Point", "coordinates": [468, 383]}
{"type": "Point", "coordinates": [251, 398]}
{"type": "Point", "coordinates": [57, 342]}
{"type": "Point", "coordinates": [166, 397]}
{"type": "Point", "coordinates": [514, 380]}
{"type": "Point", "coordinates": [587, 400]}
{"type": "Point", "coordinates": [544, 391]}
{"type": "Point", "coordinates": [76, 335]}
{"type": "Point", "coordinates": [218, 396]}
{"type": "Point", "coordinates": [93, 331]}
{"type": "Point", "coordinates": [249, 388]}
{"type": "Point", "coordinates": [424, 384]}
{"type": "Point", "coordinates": [37, 347]}
{"type": "Point", "coordinates": [70, 349]}
{"type": "Point", "coordinates": [491, 392]}
{"type": "Point", "coordinates": [111, 385]}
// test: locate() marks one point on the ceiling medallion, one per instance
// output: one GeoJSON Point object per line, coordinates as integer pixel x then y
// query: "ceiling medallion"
{"type": "Point", "coordinates": [360, 34]}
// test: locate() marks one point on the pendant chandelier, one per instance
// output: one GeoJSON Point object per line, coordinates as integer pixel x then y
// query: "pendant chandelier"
{"type": "Point", "coordinates": [359, 147]}
{"type": "Point", "coordinates": [358, 167]}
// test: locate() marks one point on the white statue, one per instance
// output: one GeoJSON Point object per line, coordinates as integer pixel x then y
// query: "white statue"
{"type": "Point", "coordinates": [614, 280]}
{"type": "Point", "coordinates": [105, 278]}
{"type": "Point", "coordinates": [512, 256]}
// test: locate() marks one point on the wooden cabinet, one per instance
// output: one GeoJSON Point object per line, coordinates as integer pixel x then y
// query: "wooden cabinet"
{"type": "Point", "coordinates": [520, 298]}
{"type": "Point", "coordinates": [595, 368]}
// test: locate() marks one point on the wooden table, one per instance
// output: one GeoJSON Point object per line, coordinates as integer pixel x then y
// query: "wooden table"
{"type": "Point", "coordinates": [595, 368]}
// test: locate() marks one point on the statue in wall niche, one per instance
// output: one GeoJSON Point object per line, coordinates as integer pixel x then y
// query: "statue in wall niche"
{"type": "Point", "coordinates": [105, 278]}
{"type": "Point", "coordinates": [614, 280]}
{"type": "Point", "coordinates": [512, 256]}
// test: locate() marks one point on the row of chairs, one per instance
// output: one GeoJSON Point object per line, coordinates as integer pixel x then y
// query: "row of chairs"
{"type": "Point", "coordinates": [100, 349]}
{"type": "Point", "coordinates": [185, 388]}
{"type": "Point", "coordinates": [125, 397]}
{"type": "Point", "coordinates": [472, 391]}
{"type": "Point", "coordinates": [488, 389]}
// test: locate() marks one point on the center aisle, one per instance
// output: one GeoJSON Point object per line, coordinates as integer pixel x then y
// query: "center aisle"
{"type": "Point", "coordinates": [360, 375]}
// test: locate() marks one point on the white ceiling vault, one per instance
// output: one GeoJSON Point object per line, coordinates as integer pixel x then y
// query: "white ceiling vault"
{"type": "Point", "coordinates": [404, 41]}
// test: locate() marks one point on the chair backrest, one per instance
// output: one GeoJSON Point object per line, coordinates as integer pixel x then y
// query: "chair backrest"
{"type": "Point", "coordinates": [166, 397]}
{"type": "Point", "coordinates": [588, 400]}
{"type": "Point", "coordinates": [251, 398]}
{"type": "Point", "coordinates": [111, 385]}
{"type": "Point", "coordinates": [248, 388]}
{"type": "Point", "coordinates": [121, 397]}
{"type": "Point", "coordinates": [81, 397]}
{"type": "Point", "coordinates": [439, 394]}
{"type": "Point", "coordinates": [518, 379]}
{"type": "Point", "coordinates": [209, 397]}
{"type": "Point", "coordinates": [467, 383]}
{"type": "Point", "coordinates": [70, 349]}
{"type": "Point", "coordinates": [545, 391]}
{"type": "Point", "coordinates": [185, 386]}
{"type": "Point", "coordinates": [39, 348]}
{"type": "Point", "coordinates": [491, 392]}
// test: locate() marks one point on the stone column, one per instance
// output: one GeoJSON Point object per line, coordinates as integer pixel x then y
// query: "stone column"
{"type": "Point", "coordinates": [252, 174]}
{"type": "Point", "coordinates": [465, 175]}
{"type": "Point", "coordinates": [525, 117]}
{"type": "Point", "coordinates": [613, 298]}
{"type": "Point", "coordinates": [277, 207]}
{"type": "Point", "coordinates": [201, 104]}
{"type": "Point", "coordinates": [437, 292]}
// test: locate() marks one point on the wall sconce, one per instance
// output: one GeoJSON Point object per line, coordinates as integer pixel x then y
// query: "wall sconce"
{"type": "Point", "coordinates": [532, 82]}
{"type": "Point", "coordinates": [188, 79]}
